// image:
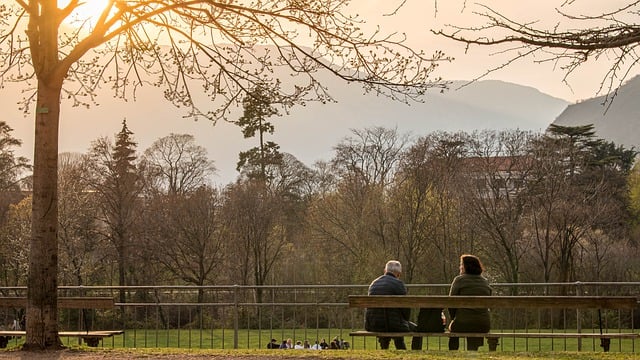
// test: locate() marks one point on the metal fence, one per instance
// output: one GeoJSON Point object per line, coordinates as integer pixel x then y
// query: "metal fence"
{"type": "Point", "coordinates": [236, 316]}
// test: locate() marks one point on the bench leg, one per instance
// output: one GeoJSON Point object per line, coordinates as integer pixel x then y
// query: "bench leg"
{"type": "Point", "coordinates": [4, 341]}
{"type": "Point", "coordinates": [493, 343]}
{"type": "Point", "coordinates": [416, 343]}
{"type": "Point", "coordinates": [91, 341]}
{"type": "Point", "coordinates": [605, 344]}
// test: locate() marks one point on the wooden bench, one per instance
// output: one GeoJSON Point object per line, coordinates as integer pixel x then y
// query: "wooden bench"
{"type": "Point", "coordinates": [63, 302]}
{"type": "Point", "coordinates": [523, 302]}
{"type": "Point", "coordinates": [91, 338]}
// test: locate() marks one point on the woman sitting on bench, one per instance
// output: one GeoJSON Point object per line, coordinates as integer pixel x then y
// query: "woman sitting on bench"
{"type": "Point", "coordinates": [469, 282]}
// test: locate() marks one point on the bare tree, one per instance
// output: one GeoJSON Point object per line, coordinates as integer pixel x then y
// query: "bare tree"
{"type": "Point", "coordinates": [176, 45]}
{"type": "Point", "coordinates": [189, 239]}
{"type": "Point", "coordinates": [575, 192]}
{"type": "Point", "coordinates": [176, 164]}
{"type": "Point", "coordinates": [611, 34]}
{"type": "Point", "coordinates": [290, 178]}
{"type": "Point", "coordinates": [498, 167]}
{"type": "Point", "coordinates": [412, 214]}
{"type": "Point", "coordinates": [255, 230]}
{"type": "Point", "coordinates": [290, 182]}
{"type": "Point", "coordinates": [370, 155]}
{"type": "Point", "coordinates": [445, 159]}
{"type": "Point", "coordinates": [349, 215]}
{"type": "Point", "coordinates": [81, 244]}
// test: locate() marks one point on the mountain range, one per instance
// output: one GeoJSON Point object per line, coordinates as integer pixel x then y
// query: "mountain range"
{"type": "Point", "coordinates": [615, 117]}
{"type": "Point", "coordinates": [310, 132]}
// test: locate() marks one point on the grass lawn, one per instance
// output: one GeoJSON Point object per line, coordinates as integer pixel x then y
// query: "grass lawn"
{"type": "Point", "coordinates": [83, 353]}
{"type": "Point", "coordinates": [219, 343]}
{"type": "Point", "coordinates": [255, 339]}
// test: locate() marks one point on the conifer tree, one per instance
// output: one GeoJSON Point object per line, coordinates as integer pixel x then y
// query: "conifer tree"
{"type": "Point", "coordinates": [258, 106]}
{"type": "Point", "coordinates": [116, 180]}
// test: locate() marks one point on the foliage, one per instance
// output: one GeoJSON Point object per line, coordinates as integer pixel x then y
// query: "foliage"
{"type": "Point", "coordinates": [258, 106]}
{"type": "Point", "coordinates": [552, 207]}
{"type": "Point", "coordinates": [14, 247]}
{"type": "Point", "coordinates": [634, 186]}
{"type": "Point", "coordinates": [12, 167]}
{"type": "Point", "coordinates": [14, 209]}
{"type": "Point", "coordinates": [112, 174]}
{"type": "Point", "coordinates": [177, 46]}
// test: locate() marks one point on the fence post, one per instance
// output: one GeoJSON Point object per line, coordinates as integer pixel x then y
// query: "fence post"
{"type": "Point", "coordinates": [236, 320]}
{"type": "Point", "coordinates": [578, 320]}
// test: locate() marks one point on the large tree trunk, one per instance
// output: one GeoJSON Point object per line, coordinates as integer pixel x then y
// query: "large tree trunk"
{"type": "Point", "coordinates": [42, 312]}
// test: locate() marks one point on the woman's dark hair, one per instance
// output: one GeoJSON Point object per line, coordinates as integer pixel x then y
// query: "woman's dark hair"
{"type": "Point", "coordinates": [471, 264]}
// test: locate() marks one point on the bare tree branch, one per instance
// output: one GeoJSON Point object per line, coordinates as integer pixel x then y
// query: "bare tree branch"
{"type": "Point", "coordinates": [604, 36]}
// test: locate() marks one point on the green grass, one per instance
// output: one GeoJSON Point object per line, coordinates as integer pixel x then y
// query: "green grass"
{"type": "Point", "coordinates": [215, 339]}
{"type": "Point", "coordinates": [186, 340]}
{"type": "Point", "coordinates": [254, 339]}
{"type": "Point", "coordinates": [515, 345]}
{"type": "Point", "coordinates": [170, 353]}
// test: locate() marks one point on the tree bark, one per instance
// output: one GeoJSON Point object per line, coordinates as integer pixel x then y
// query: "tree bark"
{"type": "Point", "coordinates": [42, 313]}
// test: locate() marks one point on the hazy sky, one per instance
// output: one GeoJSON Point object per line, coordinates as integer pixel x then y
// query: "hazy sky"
{"type": "Point", "coordinates": [417, 17]}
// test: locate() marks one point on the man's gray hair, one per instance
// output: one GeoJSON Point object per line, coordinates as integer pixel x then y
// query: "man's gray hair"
{"type": "Point", "coordinates": [394, 267]}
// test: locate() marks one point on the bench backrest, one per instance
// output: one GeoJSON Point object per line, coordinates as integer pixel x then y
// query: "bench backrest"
{"type": "Point", "coordinates": [443, 301]}
{"type": "Point", "coordinates": [63, 302]}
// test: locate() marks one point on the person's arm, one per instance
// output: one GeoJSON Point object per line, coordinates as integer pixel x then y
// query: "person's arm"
{"type": "Point", "coordinates": [406, 312]}
{"type": "Point", "coordinates": [455, 290]}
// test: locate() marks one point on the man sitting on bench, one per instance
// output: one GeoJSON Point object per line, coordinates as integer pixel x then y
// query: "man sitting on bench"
{"type": "Point", "coordinates": [389, 319]}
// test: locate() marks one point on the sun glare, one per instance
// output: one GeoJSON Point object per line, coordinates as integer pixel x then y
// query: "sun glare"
{"type": "Point", "coordinates": [87, 10]}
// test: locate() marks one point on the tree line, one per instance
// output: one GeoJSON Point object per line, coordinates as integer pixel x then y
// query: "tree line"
{"type": "Point", "coordinates": [553, 207]}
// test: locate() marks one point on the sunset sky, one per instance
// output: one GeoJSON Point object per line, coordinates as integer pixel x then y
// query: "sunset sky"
{"type": "Point", "coordinates": [417, 17]}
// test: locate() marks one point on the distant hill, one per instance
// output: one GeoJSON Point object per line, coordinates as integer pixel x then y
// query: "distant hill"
{"type": "Point", "coordinates": [308, 132]}
{"type": "Point", "coordinates": [617, 121]}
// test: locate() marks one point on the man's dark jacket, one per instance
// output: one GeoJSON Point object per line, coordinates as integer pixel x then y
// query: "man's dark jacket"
{"type": "Point", "coordinates": [387, 319]}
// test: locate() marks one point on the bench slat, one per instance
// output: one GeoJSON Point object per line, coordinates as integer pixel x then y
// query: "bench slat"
{"type": "Point", "coordinates": [94, 333]}
{"type": "Point", "coordinates": [63, 302]}
{"type": "Point", "coordinates": [499, 335]}
{"type": "Point", "coordinates": [91, 333]}
{"type": "Point", "coordinates": [444, 301]}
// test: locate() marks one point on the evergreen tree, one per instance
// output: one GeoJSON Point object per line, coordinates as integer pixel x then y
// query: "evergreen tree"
{"type": "Point", "coordinates": [11, 166]}
{"type": "Point", "coordinates": [116, 179]}
{"type": "Point", "coordinates": [578, 191]}
{"type": "Point", "coordinates": [124, 156]}
{"type": "Point", "coordinates": [258, 106]}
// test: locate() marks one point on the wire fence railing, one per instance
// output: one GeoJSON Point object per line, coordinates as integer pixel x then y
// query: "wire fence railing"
{"type": "Point", "coordinates": [232, 317]}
